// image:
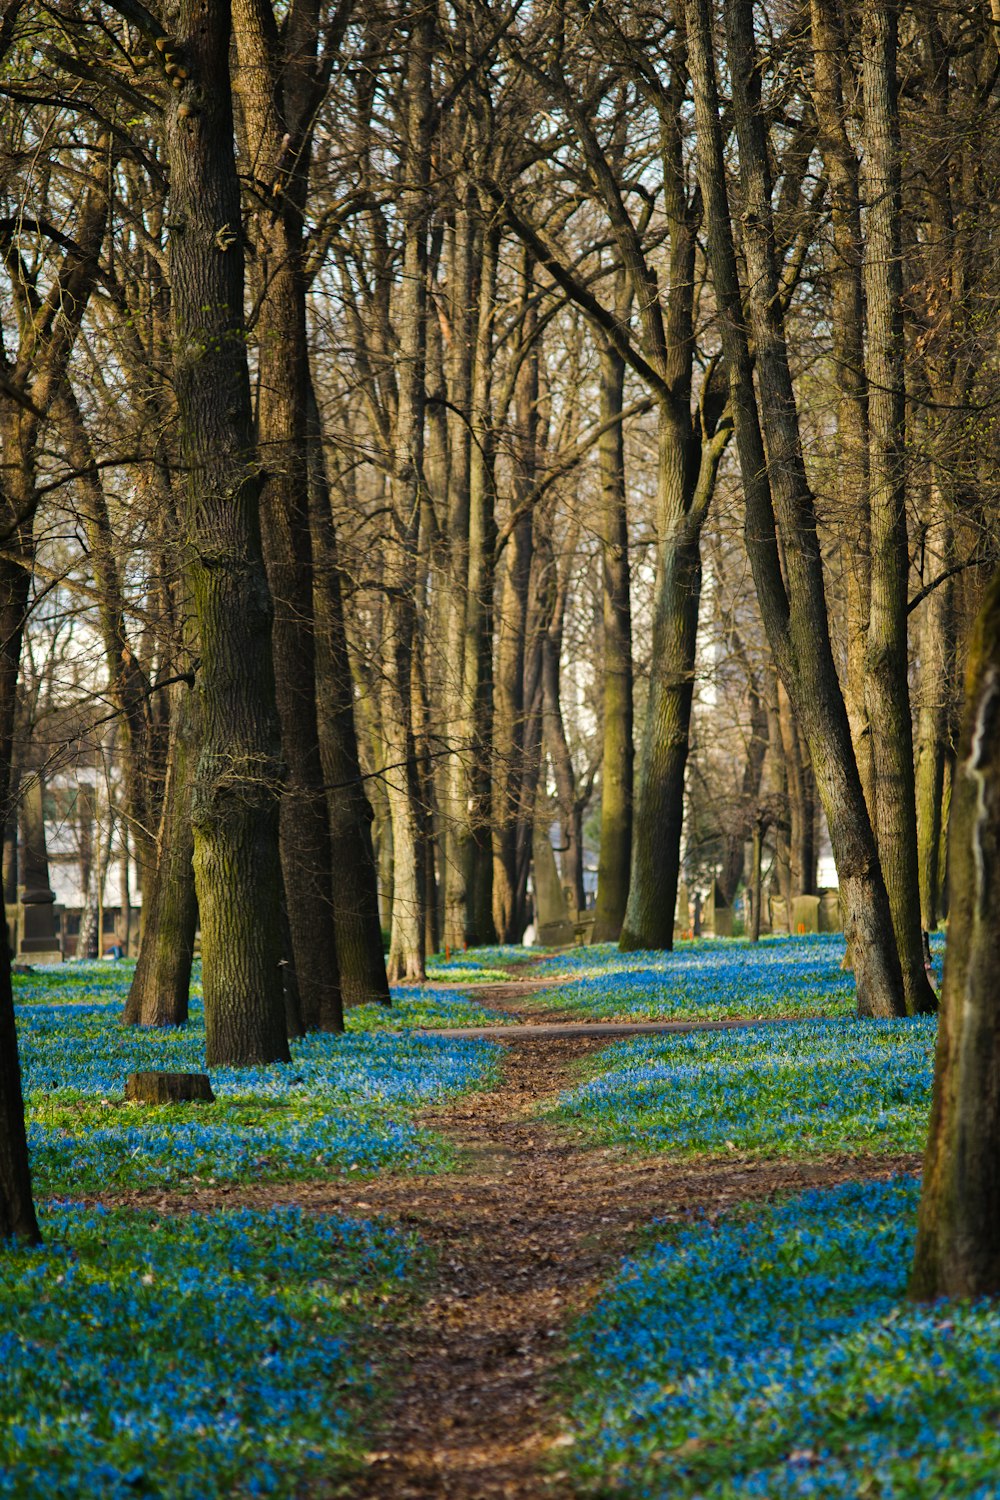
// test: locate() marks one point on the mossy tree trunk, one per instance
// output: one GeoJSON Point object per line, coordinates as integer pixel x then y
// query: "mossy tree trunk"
{"type": "Point", "coordinates": [958, 1233]}
{"type": "Point", "coordinates": [239, 773]}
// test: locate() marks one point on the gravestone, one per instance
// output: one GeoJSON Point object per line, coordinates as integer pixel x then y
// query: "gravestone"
{"type": "Point", "coordinates": [805, 914]}
{"type": "Point", "coordinates": [555, 929]}
{"type": "Point", "coordinates": [779, 913]}
{"type": "Point", "coordinates": [831, 918]}
{"type": "Point", "coordinates": [682, 912]}
{"type": "Point", "coordinates": [722, 912]}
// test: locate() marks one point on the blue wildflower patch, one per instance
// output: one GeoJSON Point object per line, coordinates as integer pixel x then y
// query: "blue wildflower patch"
{"type": "Point", "coordinates": [344, 1103]}
{"type": "Point", "coordinates": [795, 1088]}
{"type": "Point", "coordinates": [775, 1356]}
{"type": "Point", "coordinates": [707, 980]}
{"type": "Point", "coordinates": [216, 1354]}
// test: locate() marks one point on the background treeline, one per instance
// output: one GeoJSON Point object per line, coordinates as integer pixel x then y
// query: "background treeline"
{"type": "Point", "coordinates": [412, 414]}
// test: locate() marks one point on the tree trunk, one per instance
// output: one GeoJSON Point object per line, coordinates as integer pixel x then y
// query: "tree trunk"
{"type": "Point", "coordinates": [887, 694]}
{"type": "Point", "coordinates": [406, 947]}
{"type": "Point", "coordinates": [936, 667]}
{"type": "Point", "coordinates": [958, 1229]}
{"type": "Point", "coordinates": [266, 85]}
{"type": "Point", "coordinates": [652, 899]}
{"type": "Point", "coordinates": [509, 713]}
{"type": "Point", "coordinates": [239, 774]}
{"type": "Point", "coordinates": [617, 752]}
{"type": "Point", "coordinates": [795, 616]}
{"type": "Point", "coordinates": [355, 887]}
{"type": "Point", "coordinates": [17, 1209]}
{"type": "Point", "coordinates": [161, 984]}
{"type": "Point", "coordinates": [830, 58]}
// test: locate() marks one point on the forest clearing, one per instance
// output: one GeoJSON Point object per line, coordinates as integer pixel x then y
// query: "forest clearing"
{"type": "Point", "coordinates": [397, 1264]}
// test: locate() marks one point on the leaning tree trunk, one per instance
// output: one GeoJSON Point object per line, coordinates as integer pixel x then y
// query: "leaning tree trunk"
{"type": "Point", "coordinates": [617, 751]}
{"type": "Point", "coordinates": [887, 694]}
{"type": "Point", "coordinates": [777, 494]}
{"type": "Point", "coordinates": [958, 1230]}
{"type": "Point", "coordinates": [239, 773]}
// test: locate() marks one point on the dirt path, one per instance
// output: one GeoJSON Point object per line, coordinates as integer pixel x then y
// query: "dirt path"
{"type": "Point", "coordinates": [524, 1239]}
{"type": "Point", "coordinates": [524, 1236]}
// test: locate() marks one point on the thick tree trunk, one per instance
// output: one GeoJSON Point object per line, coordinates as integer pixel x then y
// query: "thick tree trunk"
{"type": "Point", "coordinates": [795, 618]}
{"type": "Point", "coordinates": [958, 1232]}
{"type": "Point", "coordinates": [266, 85]}
{"type": "Point", "coordinates": [887, 694]}
{"type": "Point", "coordinates": [473, 842]}
{"type": "Point", "coordinates": [617, 752]}
{"type": "Point", "coordinates": [158, 995]}
{"type": "Point", "coordinates": [239, 773]}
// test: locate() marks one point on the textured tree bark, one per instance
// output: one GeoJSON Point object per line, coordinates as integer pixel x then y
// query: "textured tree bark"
{"type": "Point", "coordinates": [775, 484]}
{"type": "Point", "coordinates": [958, 1228]}
{"type": "Point", "coordinates": [617, 749]}
{"type": "Point", "coordinates": [406, 946]}
{"type": "Point", "coordinates": [239, 773]}
{"type": "Point", "coordinates": [887, 693]}
{"type": "Point", "coordinates": [473, 844]}
{"type": "Point", "coordinates": [649, 916]}
{"type": "Point", "coordinates": [275, 86]}
{"type": "Point", "coordinates": [161, 984]}
{"type": "Point", "coordinates": [554, 737]}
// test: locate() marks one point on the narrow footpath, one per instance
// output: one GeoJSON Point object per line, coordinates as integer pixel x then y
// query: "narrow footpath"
{"type": "Point", "coordinates": [524, 1238]}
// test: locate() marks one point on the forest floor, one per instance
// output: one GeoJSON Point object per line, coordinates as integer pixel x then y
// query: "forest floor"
{"type": "Point", "coordinates": [522, 1239]}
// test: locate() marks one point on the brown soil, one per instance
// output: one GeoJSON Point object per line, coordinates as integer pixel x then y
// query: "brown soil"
{"type": "Point", "coordinates": [523, 1238]}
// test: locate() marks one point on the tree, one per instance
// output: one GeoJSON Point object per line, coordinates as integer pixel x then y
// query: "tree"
{"type": "Point", "coordinates": [238, 776]}
{"type": "Point", "coordinates": [781, 535]}
{"type": "Point", "coordinates": [958, 1232]}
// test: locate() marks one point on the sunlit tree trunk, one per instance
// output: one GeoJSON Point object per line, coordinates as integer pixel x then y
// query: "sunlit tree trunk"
{"type": "Point", "coordinates": [958, 1234]}
{"type": "Point", "coordinates": [617, 753]}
